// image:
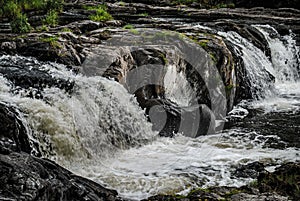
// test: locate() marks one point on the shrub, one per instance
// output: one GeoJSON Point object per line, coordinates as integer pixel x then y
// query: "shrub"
{"type": "Point", "coordinates": [101, 14]}
{"type": "Point", "coordinates": [20, 24]}
{"type": "Point", "coordinates": [51, 18]}
{"type": "Point", "coordinates": [53, 41]}
{"type": "Point", "coordinates": [11, 9]}
{"type": "Point", "coordinates": [16, 9]}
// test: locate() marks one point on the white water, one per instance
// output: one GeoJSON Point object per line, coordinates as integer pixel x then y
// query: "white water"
{"type": "Point", "coordinates": [256, 63]}
{"type": "Point", "coordinates": [177, 88]}
{"type": "Point", "coordinates": [285, 61]}
{"type": "Point", "coordinates": [80, 128]}
{"type": "Point", "coordinates": [84, 124]}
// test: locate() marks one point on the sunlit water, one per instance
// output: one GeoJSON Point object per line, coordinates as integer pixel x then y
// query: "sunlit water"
{"type": "Point", "coordinates": [83, 129]}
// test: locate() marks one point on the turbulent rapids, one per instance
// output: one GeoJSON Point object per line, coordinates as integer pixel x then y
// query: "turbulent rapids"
{"type": "Point", "coordinates": [94, 127]}
{"type": "Point", "coordinates": [162, 103]}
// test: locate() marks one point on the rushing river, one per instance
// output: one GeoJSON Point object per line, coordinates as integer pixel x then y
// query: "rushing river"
{"type": "Point", "coordinates": [99, 132]}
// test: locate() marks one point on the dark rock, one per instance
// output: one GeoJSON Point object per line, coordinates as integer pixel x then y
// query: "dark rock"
{"type": "Point", "coordinates": [267, 4]}
{"type": "Point", "coordinates": [28, 74]}
{"type": "Point", "coordinates": [24, 177]}
{"type": "Point", "coordinates": [284, 181]}
{"type": "Point", "coordinates": [250, 170]}
{"type": "Point", "coordinates": [142, 71]}
{"type": "Point", "coordinates": [222, 193]}
{"type": "Point", "coordinates": [13, 133]}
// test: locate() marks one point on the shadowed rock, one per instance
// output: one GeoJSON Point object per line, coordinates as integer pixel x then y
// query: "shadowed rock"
{"type": "Point", "coordinates": [24, 177]}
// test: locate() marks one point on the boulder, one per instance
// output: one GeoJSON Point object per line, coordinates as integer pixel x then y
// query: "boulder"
{"type": "Point", "coordinates": [13, 133]}
{"type": "Point", "coordinates": [24, 177]}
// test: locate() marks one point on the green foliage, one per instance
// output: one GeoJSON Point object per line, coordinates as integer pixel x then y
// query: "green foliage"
{"type": "Point", "coordinates": [203, 43]}
{"type": "Point", "coordinates": [20, 24]}
{"type": "Point", "coordinates": [101, 14]}
{"type": "Point", "coordinates": [53, 41]}
{"type": "Point", "coordinates": [144, 14]}
{"type": "Point", "coordinates": [16, 11]}
{"type": "Point", "coordinates": [134, 31]}
{"type": "Point", "coordinates": [11, 9]}
{"type": "Point", "coordinates": [121, 3]}
{"type": "Point", "coordinates": [55, 4]}
{"type": "Point", "coordinates": [66, 30]}
{"type": "Point", "coordinates": [51, 18]}
{"type": "Point", "coordinates": [128, 26]}
{"type": "Point", "coordinates": [42, 28]}
{"type": "Point", "coordinates": [34, 4]}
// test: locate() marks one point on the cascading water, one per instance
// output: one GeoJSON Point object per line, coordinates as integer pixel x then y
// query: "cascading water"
{"type": "Point", "coordinates": [92, 121]}
{"type": "Point", "coordinates": [256, 63]}
{"type": "Point", "coordinates": [285, 60]}
{"type": "Point", "coordinates": [87, 128]}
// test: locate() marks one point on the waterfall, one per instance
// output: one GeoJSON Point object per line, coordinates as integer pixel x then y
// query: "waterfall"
{"type": "Point", "coordinates": [96, 129]}
{"type": "Point", "coordinates": [284, 54]}
{"type": "Point", "coordinates": [285, 61]}
{"type": "Point", "coordinates": [283, 94]}
{"type": "Point", "coordinates": [93, 121]}
{"type": "Point", "coordinates": [259, 68]}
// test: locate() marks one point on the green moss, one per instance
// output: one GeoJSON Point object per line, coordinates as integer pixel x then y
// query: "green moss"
{"type": "Point", "coordinates": [134, 31]}
{"type": "Point", "coordinates": [51, 18]}
{"type": "Point", "coordinates": [203, 43]}
{"type": "Point", "coordinates": [66, 30]}
{"type": "Point", "coordinates": [20, 24]}
{"type": "Point", "coordinates": [164, 59]}
{"type": "Point", "coordinates": [53, 41]}
{"type": "Point", "coordinates": [101, 14]}
{"type": "Point", "coordinates": [228, 88]}
{"type": "Point", "coordinates": [213, 57]}
{"type": "Point", "coordinates": [128, 26]}
{"type": "Point", "coordinates": [144, 14]}
{"type": "Point", "coordinates": [121, 3]}
{"type": "Point", "coordinates": [232, 192]}
{"type": "Point", "coordinates": [42, 28]}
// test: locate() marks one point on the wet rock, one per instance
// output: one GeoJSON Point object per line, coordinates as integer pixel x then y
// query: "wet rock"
{"type": "Point", "coordinates": [284, 181]}
{"type": "Point", "coordinates": [24, 177]}
{"type": "Point", "coordinates": [25, 74]}
{"type": "Point", "coordinates": [262, 197]}
{"type": "Point", "coordinates": [250, 170]}
{"type": "Point", "coordinates": [222, 193]}
{"type": "Point", "coordinates": [13, 133]}
{"type": "Point", "coordinates": [142, 70]}
{"type": "Point", "coordinates": [8, 46]}
{"type": "Point", "coordinates": [267, 4]}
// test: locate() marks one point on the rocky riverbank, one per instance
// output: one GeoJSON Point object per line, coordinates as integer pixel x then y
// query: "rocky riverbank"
{"type": "Point", "coordinates": [113, 49]}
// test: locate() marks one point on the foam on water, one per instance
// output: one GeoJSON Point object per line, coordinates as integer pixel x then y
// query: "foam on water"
{"type": "Point", "coordinates": [175, 165]}
{"type": "Point", "coordinates": [285, 61]}
{"type": "Point", "coordinates": [95, 120]}
{"type": "Point", "coordinates": [88, 131]}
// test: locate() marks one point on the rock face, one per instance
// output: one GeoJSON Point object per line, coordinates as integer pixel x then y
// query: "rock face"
{"type": "Point", "coordinates": [13, 134]}
{"type": "Point", "coordinates": [284, 181]}
{"type": "Point", "coordinates": [108, 49]}
{"type": "Point", "coordinates": [144, 69]}
{"type": "Point", "coordinates": [267, 4]}
{"type": "Point", "coordinates": [281, 185]}
{"type": "Point", "coordinates": [25, 177]}
{"type": "Point", "coordinates": [27, 75]}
